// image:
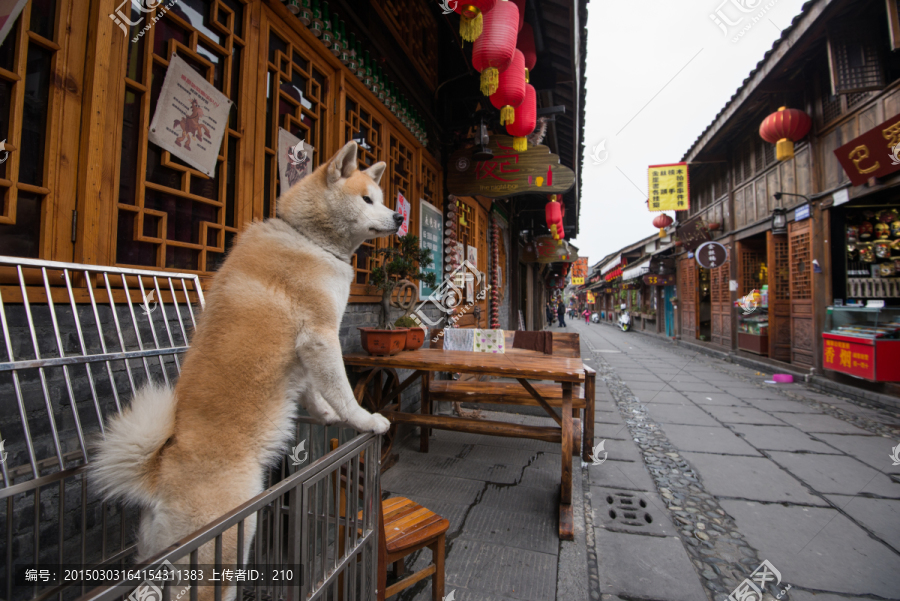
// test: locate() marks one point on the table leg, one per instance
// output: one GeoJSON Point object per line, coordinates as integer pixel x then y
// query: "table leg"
{"type": "Point", "coordinates": [424, 432]}
{"type": "Point", "coordinates": [566, 521]}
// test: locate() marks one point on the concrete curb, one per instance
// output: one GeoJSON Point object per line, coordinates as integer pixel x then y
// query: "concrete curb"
{"type": "Point", "coordinates": [572, 565]}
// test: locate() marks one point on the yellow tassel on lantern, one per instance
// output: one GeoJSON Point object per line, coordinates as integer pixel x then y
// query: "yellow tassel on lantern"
{"type": "Point", "coordinates": [784, 150]}
{"type": "Point", "coordinates": [520, 144]}
{"type": "Point", "coordinates": [470, 28]}
{"type": "Point", "coordinates": [490, 81]}
{"type": "Point", "coordinates": [527, 75]}
{"type": "Point", "coordinates": [507, 115]}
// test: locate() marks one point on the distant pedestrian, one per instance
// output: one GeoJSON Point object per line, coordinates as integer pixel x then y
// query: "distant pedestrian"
{"type": "Point", "coordinates": [549, 314]}
{"type": "Point", "coordinates": [561, 314]}
{"type": "Point", "coordinates": [587, 316]}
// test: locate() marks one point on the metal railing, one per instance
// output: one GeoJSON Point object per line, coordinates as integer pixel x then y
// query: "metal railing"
{"type": "Point", "coordinates": [78, 341]}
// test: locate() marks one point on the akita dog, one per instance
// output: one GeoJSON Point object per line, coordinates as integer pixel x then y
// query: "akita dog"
{"type": "Point", "coordinates": [266, 342]}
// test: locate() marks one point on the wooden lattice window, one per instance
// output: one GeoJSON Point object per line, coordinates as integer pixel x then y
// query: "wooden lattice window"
{"type": "Point", "coordinates": [688, 289]}
{"type": "Point", "coordinates": [416, 30]}
{"type": "Point", "coordinates": [168, 213]}
{"type": "Point", "coordinates": [360, 120]}
{"type": "Point", "coordinates": [430, 180]}
{"type": "Point", "coordinates": [296, 99]}
{"type": "Point", "coordinates": [719, 292]}
{"type": "Point", "coordinates": [801, 278]}
{"type": "Point", "coordinates": [854, 57]}
{"type": "Point", "coordinates": [401, 172]}
{"type": "Point", "coordinates": [31, 60]}
{"type": "Point", "coordinates": [782, 268]}
{"type": "Point", "coordinates": [751, 262]}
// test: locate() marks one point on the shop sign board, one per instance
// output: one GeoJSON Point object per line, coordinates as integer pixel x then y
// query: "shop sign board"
{"type": "Point", "coordinates": [579, 271]}
{"type": "Point", "coordinates": [544, 249]}
{"type": "Point", "coordinates": [801, 212]}
{"type": "Point", "coordinates": [431, 237]}
{"type": "Point", "coordinates": [711, 255]}
{"type": "Point", "coordinates": [849, 357]}
{"type": "Point", "coordinates": [403, 208]}
{"type": "Point", "coordinates": [508, 172]}
{"type": "Point", "coordinates": [694, 233]}
{"type": "Point", "coordinates": [295, 158]}
{"type": "Point", "coordinates": [659, 280]}
{"type": "Point", "coordinates": [876, 153]}
{"type": "Point", "coordinates": [591, 299]}
{"type": "Point", "coordinates": [669, 187]}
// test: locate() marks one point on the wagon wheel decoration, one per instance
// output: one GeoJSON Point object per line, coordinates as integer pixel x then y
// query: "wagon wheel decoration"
{"type": "Point", "coordinates": [406, 296]}
{"type": "Point", "coordinates": [370, 391]}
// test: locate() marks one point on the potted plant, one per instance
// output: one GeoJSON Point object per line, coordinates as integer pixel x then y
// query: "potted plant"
{"type": "Point", "coordinates": [415, 335]}
{"type": "Point", "coordinates": [399, 271]}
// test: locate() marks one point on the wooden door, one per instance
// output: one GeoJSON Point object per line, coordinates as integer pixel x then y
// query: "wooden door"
{"type": "Point", "coordinates": [801, 301]}
{"type": "Point", "coordinates": [687, 297]}
{"type": "Point", "coordinates": [721, 303]}
{"type": "Point", "coordinates": [779, 297]}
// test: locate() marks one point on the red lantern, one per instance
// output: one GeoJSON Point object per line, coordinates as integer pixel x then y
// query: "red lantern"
{"type": "Point", "coordinates": [554, 215]}
{"type": "Point", "coordinates": [472, 21]}
{"type": "Point", "coordinates": [783, 128]}
{"type": "Point", "coordinates": [520, 4]}
{"type": "Point", "coordinates": [493, 51]}
{"type": "Point", "coordinates": [525, 120]}
{"type": "Point", "coordinates": [525, 43]}
{"type": "Point", "coordinates": [511, 90]}
{"type": "Point", "coordinates": [662, 221]}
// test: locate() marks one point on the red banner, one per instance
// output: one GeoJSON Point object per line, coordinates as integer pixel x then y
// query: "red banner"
{"type": "Point", "coordinates": [871, 154]}
{"type": "Point", "coordinates": [852, 358]}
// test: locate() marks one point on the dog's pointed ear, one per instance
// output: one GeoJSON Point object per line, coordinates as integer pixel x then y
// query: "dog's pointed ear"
{"type": "Point", "coordinates": [376, 171]}
{"type": "Point", "coordinates": [343, 164]}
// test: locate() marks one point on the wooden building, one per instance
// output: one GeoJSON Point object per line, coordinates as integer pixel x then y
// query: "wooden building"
{"type": "Point", "coordinates": [79, 86]}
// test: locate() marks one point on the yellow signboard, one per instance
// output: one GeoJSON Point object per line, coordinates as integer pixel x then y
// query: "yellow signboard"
{"type": "Point", "coordinates": [579, 271]}
{"type": "Point", "coordinates": [590, 298]}
{"type": "Point", "coordinates": [669, 187]}
{"type": "Point", "coordinates": [577, 281]}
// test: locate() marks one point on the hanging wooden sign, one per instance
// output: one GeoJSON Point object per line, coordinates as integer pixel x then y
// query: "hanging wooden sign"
{"type": "Point", "coordinates": [508, 172]}
{"type": "Point", "coordinates": [659, 280]}
{"type": "Point", "coordinates": [544, 249]}
{"type": "Point", "coordinates": [711, 255]}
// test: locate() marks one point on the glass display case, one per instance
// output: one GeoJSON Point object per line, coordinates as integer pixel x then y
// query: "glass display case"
{"type": "Point", "coordinates": [863, 342]}
{"type": "Point", "coordinates": [753, 323]}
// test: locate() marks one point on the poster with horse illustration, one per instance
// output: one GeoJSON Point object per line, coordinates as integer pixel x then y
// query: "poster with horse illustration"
{"type": "Point", "coordinates": [191, 117]}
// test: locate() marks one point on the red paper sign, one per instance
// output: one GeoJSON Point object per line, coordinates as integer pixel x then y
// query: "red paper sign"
{"type": "Point", "coordinates": [403, 209]}
{"type": "Point", "coordinates": [871, 154]}
{"type": "Point", "coordinates": [848, 357]}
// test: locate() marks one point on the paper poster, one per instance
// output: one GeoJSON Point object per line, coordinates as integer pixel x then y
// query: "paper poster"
{"type": "Point", "coordinates": [403, 209]}
{"type": "Point", "coordinates": [471, 257]}
{"type": "Point", "coordinates": [191, 117]}
{"type": "Point", "coordinates": [431, 237]}
{"type": "Point", "coordinates": [295, 159]}
{"type": "Point", "coordinates": [9, 12]}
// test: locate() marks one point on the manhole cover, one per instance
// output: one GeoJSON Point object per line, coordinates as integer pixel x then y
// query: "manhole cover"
{"type": "Point", "coordinates": [629, 511]}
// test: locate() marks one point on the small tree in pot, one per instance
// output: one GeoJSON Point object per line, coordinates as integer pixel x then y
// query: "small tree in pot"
{"type": "Point", "coordinates": [401, 269]}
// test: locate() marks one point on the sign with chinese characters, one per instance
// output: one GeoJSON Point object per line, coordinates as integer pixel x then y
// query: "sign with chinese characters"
{"type": "Point", "coordinates": [694, 233]}
{"type": "Point", "coordinates": [294, 159]}
{"type": "Point", "coordinates": [403, 209]}
{"type": "Point", "coordinates": [711, 255]}
{"type": "Point", "coordinates": [579, 271]}
{"type": "Point", "coordinates": [669, 187]}
{"type": "Point", "coordinates": [659, 280]}
{"type": "Point", "coordinates": [431, 237]}
{"type": "Point", "coordinates": [871, 154]}
{"type": "Point", "coordinates": [191, 117]}
{"type": "Point", "coordinates": [849, 357]}
{"type": "Point", "coordinates": [591, 299]}
{"type": "Point", "coordinates": [508, 172]}
{"type": "Point", "coordinates": [472, 258]}
{"type": "Point", "coordinates": [544, 249]}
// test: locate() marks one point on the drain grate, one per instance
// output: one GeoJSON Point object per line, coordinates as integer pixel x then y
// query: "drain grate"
{"type": "Point", "coordinates": [630, 511]}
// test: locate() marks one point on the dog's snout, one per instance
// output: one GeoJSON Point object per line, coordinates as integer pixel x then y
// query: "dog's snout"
{"type": "Point", "coordinates": [398, 219]}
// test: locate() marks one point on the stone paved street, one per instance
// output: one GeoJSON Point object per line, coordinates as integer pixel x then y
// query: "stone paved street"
{"type": "Point", "coordinates": [709, 471]}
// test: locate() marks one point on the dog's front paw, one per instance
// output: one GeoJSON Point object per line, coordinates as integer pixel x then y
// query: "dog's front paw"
{"type": "Point", "coordinates": [379, 424]}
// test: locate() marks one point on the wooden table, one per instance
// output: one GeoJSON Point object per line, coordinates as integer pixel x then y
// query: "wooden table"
{"type": "Point", "coordinates": [383, 396]}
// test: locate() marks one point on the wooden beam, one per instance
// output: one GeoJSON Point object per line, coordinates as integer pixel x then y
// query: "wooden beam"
{"type": "Point", "coordinates": [534, 393]}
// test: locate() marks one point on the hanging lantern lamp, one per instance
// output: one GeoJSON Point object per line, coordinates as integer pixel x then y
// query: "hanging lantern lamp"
{"type": "Point", "coordinates": [520, 4]}
{"type": "Point", "coordinates": [510, 90]}
{"type": "Point", "coordinates": [784, 127]}
{"type": "Point", "coordinates": [493, 51]}
{"type": "Point", "coordinates": [553, 212]}
{"type": "Point", "coordinates": [472, 14]}
{"type": "Point", "coordinates": [525, 120]}
{"type": "Point", "coordinates": [662, 221]}
{"type": "Point", "coordinates": [525, 43]}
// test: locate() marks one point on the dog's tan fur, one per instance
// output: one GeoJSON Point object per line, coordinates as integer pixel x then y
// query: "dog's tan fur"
{"type": "Point", "coordinates": [267, 340]}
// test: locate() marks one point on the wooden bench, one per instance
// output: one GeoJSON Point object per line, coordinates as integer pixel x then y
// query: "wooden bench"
{"type": "Point", "coordinates": [513, 393]}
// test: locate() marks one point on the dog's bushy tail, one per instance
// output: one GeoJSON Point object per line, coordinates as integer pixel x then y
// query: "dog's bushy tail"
{"type": "Point", "coordinates": [123, 463]}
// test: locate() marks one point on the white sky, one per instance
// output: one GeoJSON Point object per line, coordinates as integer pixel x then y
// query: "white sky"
{"type": "Point", "coordinates": [634, 49]}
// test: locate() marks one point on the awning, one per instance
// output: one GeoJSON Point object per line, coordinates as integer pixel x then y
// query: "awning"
{"type": "Point", "coordinates": [637, 270]}
{"type": "Point", "coordinates": [610, 265]}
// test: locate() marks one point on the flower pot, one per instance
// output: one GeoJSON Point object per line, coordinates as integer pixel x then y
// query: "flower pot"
{"type": "Point", "coordinates": [415, 338]}
{"type": "Point", "coordinates": [383, 342]}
